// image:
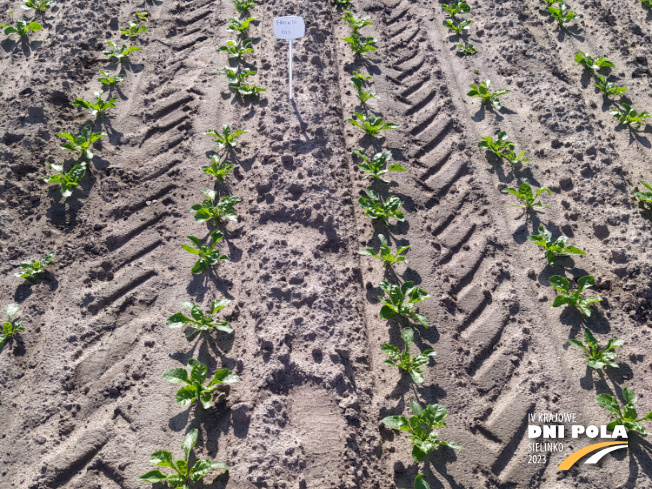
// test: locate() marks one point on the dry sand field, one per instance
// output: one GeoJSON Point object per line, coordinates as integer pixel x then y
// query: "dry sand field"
{"type": "Point", "coordinates": [83, 402]}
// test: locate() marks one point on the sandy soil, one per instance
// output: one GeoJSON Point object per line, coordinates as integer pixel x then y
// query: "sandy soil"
{"type": "Point", "coordinates": [83, 400]}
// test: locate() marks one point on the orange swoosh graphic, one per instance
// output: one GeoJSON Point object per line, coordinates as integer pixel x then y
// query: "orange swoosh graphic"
{"type": "Point", "coordinates": [574, 457]}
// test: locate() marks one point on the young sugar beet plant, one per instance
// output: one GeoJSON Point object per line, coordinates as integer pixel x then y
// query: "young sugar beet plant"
{"type": "Point", "coordinates": [401, 301]}
{"type": "Point", "coordinates": [359, 84]}
{"type": "Point", "coordinates": [208, 255]}
{"type": "Point", "coordinates": [583, 304]}
{"type": "Point", "coordinates": [503, 148]}
{"type": "Point", "coordinates": [81, 143]}
{"type": "Point", "coordinates": [209, 209]}
{"type": "Point", "coordinates": [11, 327]}
{"type": "Point", "coordinates": [226, 137]}
{"type": "Point", "coordinates": [645, 197]}
{"type": "Point", "coordinates": [596, 357]}
{"type": "Point", "coordinates": [120, 53]}
{"type": "Point", "coordinates": [526, 195]}
{"type": "Point", "coordinates": [134, 29]}
{"type": "Point", "coordinates": [219, 168]}
{"type": "Point", "coordinates": [592, 64]}
{"type": "Point", "coordinates": [371, 124]}
{"type": "Point", "coordinates": [377, 208]}
{"type": "Point", "coordinates": [606, 87]}
{"type": "Point", "coordinates": [241, 26]}
{"type": "Point", "coordinates": [421, 427]}
{"type": "Point", "coordinates": [403, 360]}
{"type": "Point", "coordinates": [376, 166]}
{"type": "Point", "coordinates": [235, 49]}
{"type": "Point", "coordinates": [110, 80]}
{"type": "Point", "coordinates": [556, 249]}
{"type": "Point", "coordinates": [68, 181]}
{"type": "Point", "coordinates": [489, 98]}
{"type": "Point", "coordinates": [355, 23]}
{"type": "Point", "coordinates": [242, 6]}
{"type": "Point", "coordinates": [97, 108]}
{"type": "Point", "coordinates": [627, 417]}
{"type": "Point", "coordinates": [561, 13]}
{"type": "Point", "coordinates": [385, 253]}
{"type": "Point", "coordinates": [34, 269]}
{"type": "Point", "coordinates": [360, 44]}
{"type": "Point", "coordinates": [196, 390]}
{"type": "Point", "coordinates": [199, 321]}
{"type": "Point", "coordinates": [419, 483]}
{"type": "Point", "coordinates": [23, 28]}
{"type": "Point", "coordinates": [39, 6]}
{"type": "Point", "coordinates": [629, 117]}
{"type": "Point", "coordinates": [183, 472]}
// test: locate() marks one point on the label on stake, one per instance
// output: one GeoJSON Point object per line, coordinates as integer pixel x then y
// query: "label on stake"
{"type": "Point", "coordinates": [289, 28]}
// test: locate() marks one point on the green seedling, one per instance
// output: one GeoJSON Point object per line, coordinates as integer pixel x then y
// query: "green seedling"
{"type": "Point", "coordinates": [364, 96]}
{"type": "Point", "coordinates": [575, 299]}
{"type": "Point", "coordinates": [360, 45]}
{"type": "Point", "coordinates": [208, 255]}
{"type": "Point", "coordinates": [199, 321]}
{"type": "Point", "coordinates": [99, 107]}
{"type": "Point", "coordinates": [240, 26]}
{"type": "Point", "coordinates": [355, 23]}
{"type": "Point", "coordinates": [374, 166]}
{"type": "Point", "coordinates": [361, 77]}
{"type": "Point", "coordinates": [377, 208]}
{"type": "Point", "coordinates": [419, 483]}
{"type": "Point", "coordinates": [34, 269]}
{"type": "Point", "coordinates": [81, 143]}
{"type": "Point", "coordinates": [22, 28]}
{"type": "Point", "coordinates": [488, 97]}
{"type": "Point", "coordinates": [402, 300]}
{"type": "Point", "coordinates": [592, 64]}
{"type": "Point", "coordinates": [626, 417]}
{"type": "Point", "coordinates": [499, 147]}
{"type": "Point", "coordinates": [183, 473]}
{"type": "Point", "coordinates": [526, 195]}
{"type": "Point", "coordinates": [607, 87]}
{"type": "Point", "coordinates": [236, 50]}
{"type": "Point", "coordinates": [459, 28]}
{"type": "Point", "coordinates": [134, 28]}
{"type": "Point", "coordinates": [196, 390]}
{"type": "Point", "coordinates": [209, 209]}
{"type": "Point", "coordinates": [561, 13]}
{"type": "Point", "coordinates": [647, 3]}
{"type": "Point", "coordinates": [40, 6]}
{"type": "Point", "coordinates": [421, 428]}
{"type": "Point", "coordinates": [403, 360]}
{"type": "Point", "coordinates": [385, 253]}
{"type": "Point", "coordinates": [120, 53]}
{"type": "Point", "coordinates": [598, 358]}
{"type": "Point", "coordinates": [11, 327]}
{"type": "Point", "coordinates": [516, 159]}
{"type": "Point", "coordinates": [645, 197]}
{"type": "Point", "coordinates": [68, 181]}
{"type": "Point", "coordinates": [218, 168]}
{"type": "Point", "coordinates": [342, 3]}
{"type": "Point", "coordinates": [556, 249]}
{"type": "Point", "coordinates": [226, 138]}
{"type": "Point", "coordinates": [629, 117]}
{"type": "Point", "coordinates": [249, 90]}
{"type": "Point", "coordinates": [235, 76]}
{"type": "Point", "coordinates": [371, 124]}
{"type": "Point", "coordinates": [142, 16]}
{"type": "Point", "coordinates": [110, 80]}
{"type": "Point", "coordinates": [456, 7]}
{"type": "Point", "coordinates": [243, 6]}
{"type": "Point", "coordinates": [465, 49]}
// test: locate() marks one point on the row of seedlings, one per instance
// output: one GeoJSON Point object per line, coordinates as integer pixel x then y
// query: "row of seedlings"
{"type": "Point", "coordinates": [459, 27]}
{"type": "Point", "coordinates": [399, 299]}
{"type": "Point", "coordinates": [79, 144]}
{"type": "Point", "coordinates": [213, 210]}
{"type": "Point", "coordinates": [530, 200]}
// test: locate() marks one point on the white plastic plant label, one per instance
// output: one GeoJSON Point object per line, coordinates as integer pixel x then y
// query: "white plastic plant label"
{"type": "Point", "coordinates": [290, 27]}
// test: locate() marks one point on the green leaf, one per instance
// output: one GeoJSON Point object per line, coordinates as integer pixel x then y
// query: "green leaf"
{"type": "Point", "coordinates": [407, 334]}
{"type": "Point", "coordinates": [176, 375]}
{"type": "Point", "coordinates": [224, 376]}
{"type": "Point", "coordinates": [162, 459]}
{"type": "Point", "coordinates": [177, 320]}
{"type": "Point", "coordinates": [198, 371]}
{"type": "Point", "coordinates": [189, 441]}
{"type": "Point", "coordinates": [199, 470]}
{"type": "Point", "coordinates": [387, 313]}
{"type": "Point", "coordinates": [396, 422]}
{"type": "Point", "coordinates": [186, 395]}
{"type": "Point", "coordinates": [419, 483]}
{"type": "Point", "coordinates": [153, 476]}
{"type": "Point", "coordinates": [560, 283]}
{"type": "Point", "coordinates": [219, 465]}
{"type": "Point", "coordinates": [610, 403]}
{"type": "Point", "coordinates": [628, 395]}
{"type": "Point", "coordinates": [589, 338]}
